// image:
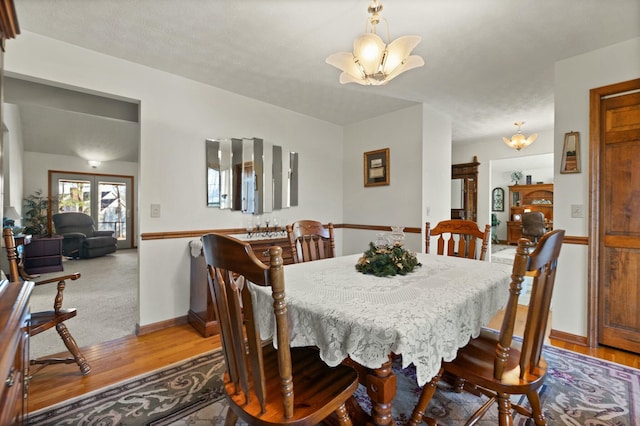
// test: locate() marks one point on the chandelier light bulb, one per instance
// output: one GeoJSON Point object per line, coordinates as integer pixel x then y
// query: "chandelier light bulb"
{"type": "Point", "coordinates": [374, 62]}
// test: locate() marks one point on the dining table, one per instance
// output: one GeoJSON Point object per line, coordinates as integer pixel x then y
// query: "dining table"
{"type": "Point", "coordinates": [422, 317]}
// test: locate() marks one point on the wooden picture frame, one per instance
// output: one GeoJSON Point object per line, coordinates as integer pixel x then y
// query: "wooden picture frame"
{"type": "Point", "coordinates": [497, 200]}
{"type": "Point", "coordinates": [376, 167]}
{"type": "Point", "coordinates": [571, 153]}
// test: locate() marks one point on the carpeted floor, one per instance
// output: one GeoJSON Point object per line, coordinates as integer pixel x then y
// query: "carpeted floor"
{"type": "Point", "coordinates": [579, 390]}
{"type": "Point", "coordinates": [106, 296]}
{"type": "Point", "coordinates": [501, 253]}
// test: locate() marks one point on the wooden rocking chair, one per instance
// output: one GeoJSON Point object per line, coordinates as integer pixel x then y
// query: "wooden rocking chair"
{"type": "Point", "coordinates": [42, 321]}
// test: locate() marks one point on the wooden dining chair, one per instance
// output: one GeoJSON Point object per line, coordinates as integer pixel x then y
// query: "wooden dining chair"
{"type": "Point", "coordinates": [267, 386]}
{"type": "Point", "coordinates": [496, 365]}
{"type": "Point", "coordinates": [42, 321]}
{"type": "Point", "coordinates": [310, 240]}
{"type": "Point", "coordinates": [457, 237]}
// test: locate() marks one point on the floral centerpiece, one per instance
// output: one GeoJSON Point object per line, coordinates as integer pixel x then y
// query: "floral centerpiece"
{"type": "Point", "coordinates": [386, 260]}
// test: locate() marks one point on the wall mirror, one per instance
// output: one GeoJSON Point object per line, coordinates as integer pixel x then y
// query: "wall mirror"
{"type": "Point", "coordinates": [250, 175]}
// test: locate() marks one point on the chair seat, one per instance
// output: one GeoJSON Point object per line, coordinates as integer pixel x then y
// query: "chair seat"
{"type": "Point", "coordinates": [475, 362]}
{"type": "Point", "coordinates": [319, 389]}
{"type": "Point", "coordinates": [42, 321]}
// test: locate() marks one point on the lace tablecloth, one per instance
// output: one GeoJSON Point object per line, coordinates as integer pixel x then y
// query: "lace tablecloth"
{"type": "Point", "coordinates": [425, 315]}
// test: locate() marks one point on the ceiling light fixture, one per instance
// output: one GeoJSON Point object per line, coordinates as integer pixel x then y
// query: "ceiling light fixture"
{"type": "Point", "coordinates": [519, 141]}
{"type": "Point", "coordinates": [373, 62]}
{"type": "Point", "coordinates": [94, 163]}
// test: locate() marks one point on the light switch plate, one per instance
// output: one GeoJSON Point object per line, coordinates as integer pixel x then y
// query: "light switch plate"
{"type": "Point", "coordinates": [155, 210]}
{"type": "Point", "coordinates": [577, 210]}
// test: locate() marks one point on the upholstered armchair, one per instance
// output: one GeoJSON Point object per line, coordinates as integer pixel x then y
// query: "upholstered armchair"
{"type": "Point", "coordinates": [81, 239]}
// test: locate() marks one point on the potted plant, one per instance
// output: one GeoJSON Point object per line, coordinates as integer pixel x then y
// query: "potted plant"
{"type": "Point", "coordinates": [36, 220]}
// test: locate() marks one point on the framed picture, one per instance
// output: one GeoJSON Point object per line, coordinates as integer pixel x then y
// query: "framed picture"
{"type": "Point", "coordinates": [571, 153]}
{"type": "Point", "coordinates": [376, 167]}
{"type": "Point", "coordinates": [497, 196]}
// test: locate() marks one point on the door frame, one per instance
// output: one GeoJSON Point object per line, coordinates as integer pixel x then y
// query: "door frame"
{"type": "Point", "coordinates": [595, 98]}
{"type": "Point", "coordinates": [130, 196]}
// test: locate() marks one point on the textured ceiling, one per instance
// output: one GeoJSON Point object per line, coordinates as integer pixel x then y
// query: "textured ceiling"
{"type": "Point", "coordinates": [489, 63]}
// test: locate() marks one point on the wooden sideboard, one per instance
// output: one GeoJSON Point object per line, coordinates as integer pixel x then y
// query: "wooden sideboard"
{"type": "Point", "coordinates": [14, 351]}
{"type": "Point", "coordinates": [201, 313]}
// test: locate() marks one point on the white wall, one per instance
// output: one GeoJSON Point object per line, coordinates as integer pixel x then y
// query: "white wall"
{"type": "Point", "coordinates": [419, 139]}
{"type": "Point", "coordinates": [574, 77]}
{"type": "Point", "coordinates": [436, 169]}
{"type": "Point", "coordinates": [12, 158]}
{"type": "Point", "coordinates": [397, 203]}
{"type": "Point", "coordinates": [176, 116]}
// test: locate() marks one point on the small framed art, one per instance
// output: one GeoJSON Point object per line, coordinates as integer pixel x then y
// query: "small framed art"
{"type": "Point", "coordinates": [571, 153]}
{"type": "Point", "coordinates": [497, 197]}
{"type": "Point", "coordinates": [376, 167]}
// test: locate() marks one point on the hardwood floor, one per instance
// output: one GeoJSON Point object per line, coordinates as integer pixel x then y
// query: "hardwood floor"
{"type": "Point", "coordinates": [131, 356]}
{"type": "Point", "coordinates": [115, 361]}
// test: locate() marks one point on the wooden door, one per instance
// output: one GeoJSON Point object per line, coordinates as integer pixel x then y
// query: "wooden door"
{"type": "Point", "coordinates": [619, 222]}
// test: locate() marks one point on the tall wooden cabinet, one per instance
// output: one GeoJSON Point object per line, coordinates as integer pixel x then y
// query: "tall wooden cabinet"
{"type": "Point", "coordinates": [524, 198]}
{"type": "Point", "coordinates": [464, 190]}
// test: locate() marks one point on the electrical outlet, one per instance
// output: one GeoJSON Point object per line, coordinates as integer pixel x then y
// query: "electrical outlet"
{"type": "Point", "coordinates": [155, 210]}
{"type": "Point", "coordinates": [577, 210]}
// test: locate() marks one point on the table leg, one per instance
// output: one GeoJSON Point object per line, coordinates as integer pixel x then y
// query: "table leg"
{"type": "Point", "coordinates": [381, 388]}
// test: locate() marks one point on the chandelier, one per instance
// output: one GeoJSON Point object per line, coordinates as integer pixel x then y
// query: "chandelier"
{"type": "Point", "coordinates": [373, 62]}
{"type": "Point", "coordinates": [519, 141]}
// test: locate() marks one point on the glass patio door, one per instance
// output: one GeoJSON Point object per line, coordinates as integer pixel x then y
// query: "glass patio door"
{"type": "Point", "coordinates": [105, 198]}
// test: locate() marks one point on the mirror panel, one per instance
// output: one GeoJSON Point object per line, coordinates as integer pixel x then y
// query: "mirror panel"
{"type": "Point", "coordinates": [266, 193]}
{"type": "Point", "coordinates": [248, 178]}
{"type": "Point", "coordinates": [236, 168]}
{"type": "Point", "coordinates": [213, 173]}
{"type": "Point", "coordinates": [293, 181]}
{"type": "Point", "coordinates": [226, 177]}
{"type": "Point", "coordinates": [277, 177]}
{"type": "Point", "coordinates": [250, 175]}
{"type": "Point", "coordinates": [286, 179]}
{"type": "Point", "coordinates": [457, 194]}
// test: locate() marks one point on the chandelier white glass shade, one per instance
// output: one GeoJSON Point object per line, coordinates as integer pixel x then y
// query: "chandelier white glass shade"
{"type": "Point", "coordinates": [519, 141]}
{"type": "Point", "coordinates": [374, 62]}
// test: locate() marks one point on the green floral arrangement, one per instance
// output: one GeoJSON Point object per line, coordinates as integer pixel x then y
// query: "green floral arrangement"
{"type": "Point", "coordinates": [387, 260]}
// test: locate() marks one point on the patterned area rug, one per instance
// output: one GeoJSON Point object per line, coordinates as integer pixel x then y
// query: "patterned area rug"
{"type": "Point", "coordinates": [579, 390]}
